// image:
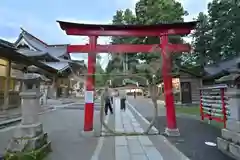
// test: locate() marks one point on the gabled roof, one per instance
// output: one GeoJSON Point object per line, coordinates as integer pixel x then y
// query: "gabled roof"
{"type": "Point", "coordinates": [9, 52]}
{"type": "Point", "coordinates": [59, 66]}
{"type": "Point", "coordinates": [224, 66]}
{"type": "Point", "coordinates": [39, 45]}
{"type": "Point", "coordinates": [37, 54]}
{"type": "Point", "coordinates": [6, 44]}
{"type": "Point", "coordinates": [31, 53]}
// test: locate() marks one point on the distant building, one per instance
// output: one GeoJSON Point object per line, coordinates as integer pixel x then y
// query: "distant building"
{"type": "Point", "coordinates": [53, 56]}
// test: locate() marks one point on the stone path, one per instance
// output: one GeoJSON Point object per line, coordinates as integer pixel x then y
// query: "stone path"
{"type": "Point", "coordinates": [132, 147]}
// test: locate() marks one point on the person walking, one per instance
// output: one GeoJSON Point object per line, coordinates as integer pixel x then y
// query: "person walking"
{"type": "Point", "coordinates": [134, 94]}
{"type": "Point", "coordinates": [107, 100]}
{"type": "Point", "coordinates": [122, 99]}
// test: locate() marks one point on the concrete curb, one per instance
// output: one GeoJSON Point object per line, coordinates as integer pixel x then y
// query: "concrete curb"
{"type": "Point", "coordinates": [5, 123]}
{"type": "Point", "coordinates": [10, 121]}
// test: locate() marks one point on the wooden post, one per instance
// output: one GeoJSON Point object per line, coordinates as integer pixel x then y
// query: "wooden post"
{"type": "Point", "coordinates": [90, 87]}
{"type": "Point", "coordinates": [6, 85]}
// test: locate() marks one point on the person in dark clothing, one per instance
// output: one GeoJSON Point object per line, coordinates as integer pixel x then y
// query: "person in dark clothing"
{"type": "Point", "coordinates": [107, 99]}
{"type": "Point", "coordinates": [123, 99]}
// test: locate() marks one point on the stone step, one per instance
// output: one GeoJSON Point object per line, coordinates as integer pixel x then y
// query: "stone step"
{"type": "Point", "coordinates": [228, 148]}
{"type": "Point", "coordinates": [231, 135]}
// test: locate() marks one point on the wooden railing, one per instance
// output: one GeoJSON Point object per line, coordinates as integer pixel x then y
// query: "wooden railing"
{"type": "Point", "coordinates": [213, 104]}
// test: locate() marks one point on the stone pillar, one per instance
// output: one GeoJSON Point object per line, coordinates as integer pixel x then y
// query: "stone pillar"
{"type": "Point", "coordinates": [65, 92]}
{"type": "Point", "coordinates": [44, 91]}
{"type": "Point", "coordinates": [53, 88]}
{"type": "Point", "coordinates": [29, 135]}
{"type": "Point", "coordinates": [229, 142]}
{"type": "Point", "coordinates": [6, 85]}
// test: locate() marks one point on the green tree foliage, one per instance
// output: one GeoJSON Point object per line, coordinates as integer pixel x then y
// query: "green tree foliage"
{"type": "Point", "coordinates": [218, 33]}
{"type": "Point", "coordinates": [147, 12]}
{"type": "Point", "coordinates": [100, 73]}
{"type": "Point", "coordinates": [201, 42]}
{"type": "Point", "coordinates": [116, 64]}
{"type": "Point", "coordinates": [155, 12]}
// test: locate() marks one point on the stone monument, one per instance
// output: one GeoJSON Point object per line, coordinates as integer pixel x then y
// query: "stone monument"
{"type": "Point", "coordinates": [229, 142]}
{"type": "Point", "coordinates": [29, 138]}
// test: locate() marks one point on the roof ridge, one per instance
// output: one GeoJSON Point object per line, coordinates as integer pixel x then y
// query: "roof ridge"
{"type": "Point", "coordinates": [23, 30]}
{"type": "Point", "coordinates": [222, 61]}
{"type": "Point", "coordinates": [48, 45]}
{"type": "Point", "coordinates": [53, 45]}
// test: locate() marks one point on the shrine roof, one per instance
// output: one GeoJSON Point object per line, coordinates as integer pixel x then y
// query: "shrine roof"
{"type": "Point", "coordinates": [56, 50]}
{"type": "Point", "coordinates": [9, 52]}
{"type": "Point", "coordinates": [223, 67]}
{"type": "Point", "coordinates": [59, 66]}
{"type": "Point", "coordinates": [65, 25]}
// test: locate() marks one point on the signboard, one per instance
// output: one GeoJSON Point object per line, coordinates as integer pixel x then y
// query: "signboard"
{"type": "Point", "coordinates": [89, 96]}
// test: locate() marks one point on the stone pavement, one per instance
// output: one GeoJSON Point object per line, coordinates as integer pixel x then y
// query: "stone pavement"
{"type": "Point", "coordinates": [132, 147]}
{"type": "Point", "coordinates": [148, 147]}
{"type": "Point", "coordinates": [64, 127]}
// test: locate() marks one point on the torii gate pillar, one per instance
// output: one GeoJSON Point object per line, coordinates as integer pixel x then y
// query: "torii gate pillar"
{"type": "Point", "coordinates": [171, 128]}
{"type": "Point", "coordinates": [90, 86]}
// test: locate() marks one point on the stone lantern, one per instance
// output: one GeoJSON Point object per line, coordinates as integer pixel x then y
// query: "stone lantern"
{"type": "Point", "coordinates": [229, 142]}
{"type": "Point", "coordinates": [29, 135]}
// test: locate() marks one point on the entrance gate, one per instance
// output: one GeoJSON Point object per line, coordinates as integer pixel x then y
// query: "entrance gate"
{"type": "Point", "coordinates": [161, 30]}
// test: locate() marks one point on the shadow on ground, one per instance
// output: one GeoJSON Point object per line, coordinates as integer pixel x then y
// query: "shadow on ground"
{"type": "Point", "coordinates": [194, 134]}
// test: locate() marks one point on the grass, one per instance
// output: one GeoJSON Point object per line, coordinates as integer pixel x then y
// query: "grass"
{"type": "Point", "coordinates": [192, 110]}
{"type": "Point", "coordinates": [195, 111]}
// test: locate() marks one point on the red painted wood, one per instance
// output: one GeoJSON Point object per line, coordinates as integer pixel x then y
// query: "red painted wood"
{"type": "Point", "coordinates": [143, 33]}
{"type": "Point", "coordinates": [88, 117]}
{"type": "Point", "coordinates": [224, 110]}
{"type": "Point", "coordinates": [167, 80]}
{"type": "Point", "coordinates": [129, 48]}
{"type": "Point", "coordinates": [89, 107]}
{"type": "Point", "coordinates": [127, 30]}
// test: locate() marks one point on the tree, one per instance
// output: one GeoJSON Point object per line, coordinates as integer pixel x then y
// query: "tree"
{"type": "Point", "coordinates": [99, 77]}
{"type": "Point", "coordinates": [149, 12]}
{"type": "Point", "coordinates": [154, 12]}
{"type": "Point", "coordinates": [121, 60]}
{"type": "Point", "coordinates": [201, 42]}
{"type": "Point", "coordinates": [158, 11]}
{"type": "Point", "coordinates": [224, 28]}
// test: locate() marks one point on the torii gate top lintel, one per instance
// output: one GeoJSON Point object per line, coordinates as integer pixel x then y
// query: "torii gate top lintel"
{"type": "Point", "coordinates": [180, 28]}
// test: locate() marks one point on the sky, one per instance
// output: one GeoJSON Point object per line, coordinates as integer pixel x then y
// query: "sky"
{"type": "Point", "coordinates": [39, 18]}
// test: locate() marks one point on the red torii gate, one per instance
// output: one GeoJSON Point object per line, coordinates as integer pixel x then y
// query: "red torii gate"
{"type": "Point", "coordinates": [161, 30]}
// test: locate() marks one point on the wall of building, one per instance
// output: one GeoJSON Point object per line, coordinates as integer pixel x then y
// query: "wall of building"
{"type": "Point", "coordinates": [13, 91]}
{"type": "Point", "coordinates": [195, 82]}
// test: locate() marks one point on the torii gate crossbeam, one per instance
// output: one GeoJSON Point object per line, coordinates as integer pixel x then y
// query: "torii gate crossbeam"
{"type": "Point", "coordinates": [161, 30]}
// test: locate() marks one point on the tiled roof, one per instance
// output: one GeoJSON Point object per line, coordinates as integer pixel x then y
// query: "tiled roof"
{"type": "Point", "coordinates": [60, 66]}
{"type": "Point", "coordinates": [4, 43]}
{"type": "Point", "coordinates": [30, 53]}
{"type": "Point", "coordinates": [53, 50]}
{"type": "Point", "coordinates": [227, 65]}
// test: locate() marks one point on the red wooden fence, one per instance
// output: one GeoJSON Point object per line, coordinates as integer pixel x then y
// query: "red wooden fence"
{"type": "Point", "coordinates": [213, 103]}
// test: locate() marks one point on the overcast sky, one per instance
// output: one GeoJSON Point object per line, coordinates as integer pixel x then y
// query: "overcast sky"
{"type": "Point", "coordinates": [39, 17]}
